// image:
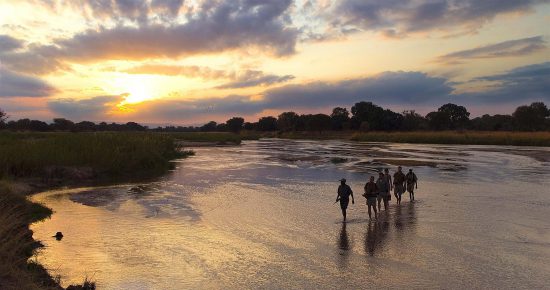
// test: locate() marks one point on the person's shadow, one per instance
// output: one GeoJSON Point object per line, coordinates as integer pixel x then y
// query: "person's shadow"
{"type": "Point", "coordinates": [375, 236]}
{"type": "Point", "coordinates": [344, 246]}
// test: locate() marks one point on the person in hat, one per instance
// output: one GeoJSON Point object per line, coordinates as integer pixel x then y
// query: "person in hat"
{"type": "Point", "coordinates": [399, 184]}
{"type": "Point", "coordinates": [344, 192]}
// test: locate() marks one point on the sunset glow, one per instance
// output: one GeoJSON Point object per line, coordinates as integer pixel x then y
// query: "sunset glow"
{"type": "Point", "coordinates": [145, 60]}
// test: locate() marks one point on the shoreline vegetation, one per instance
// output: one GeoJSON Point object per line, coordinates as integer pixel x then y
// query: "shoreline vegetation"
{"type": "Point", "coordinates": [33, 162]}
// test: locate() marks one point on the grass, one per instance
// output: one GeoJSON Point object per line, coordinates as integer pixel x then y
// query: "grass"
{"type": "Point", "coordinates": [452, 137]}
{"type": "Point", "coordinates": [214, 137]}
{"type": "Point", "coordinates": [106, 154]}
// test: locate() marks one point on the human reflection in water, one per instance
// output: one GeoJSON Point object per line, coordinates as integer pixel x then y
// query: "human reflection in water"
{"type": "Point", "coordinates": [344, 246]}
{"type": "Point", "coordinates": [375, 236]}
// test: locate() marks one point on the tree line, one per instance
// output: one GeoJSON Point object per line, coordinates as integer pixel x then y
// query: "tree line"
{"type": "Point", "coordinates": [363, 116]}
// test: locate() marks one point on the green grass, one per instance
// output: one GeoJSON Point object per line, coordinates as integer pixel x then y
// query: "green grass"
{"type": "Point", "coordinates": [107, 154]}
{"type": "Point", "coordinates": [452, 137]}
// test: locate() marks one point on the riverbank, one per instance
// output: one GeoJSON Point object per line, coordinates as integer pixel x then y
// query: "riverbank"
{"type": "Point", "coordinates": [418, 137]}
{"type": "Point", "coordinates": [33, 162]}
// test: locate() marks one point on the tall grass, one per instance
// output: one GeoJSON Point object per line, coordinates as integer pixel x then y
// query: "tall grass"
{"type": "Point", "coordinates": [216, 137]}
{"type": "Point", "coordinates": [106, 153]}
{"type": "Point", "coordinates": [453, 137]}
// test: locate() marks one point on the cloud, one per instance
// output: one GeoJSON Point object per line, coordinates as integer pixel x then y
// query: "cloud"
{"type": "Point", "coordinates": [18, 85]}
{"type": "Point", "coordinates": [390, 89]}
{"type": "Point", "coordinates": [229, 25]}
{"type": "Point", "coordinates": [385, 88]}
{"type": "Point", "coordinates": [8, 43]}
{"type": "Point", "coordinates": [526, 83]}
{"type": "Point", "coordinates": [96, 108]}
{"type": "Point", "coordinates": [396, 17]}
{"type": "Point", "coordinates": [252, 78]}
{"type": "Point", "coordinates": [192, 71]}
{"type": "Point", "coordinates": [517, 47]}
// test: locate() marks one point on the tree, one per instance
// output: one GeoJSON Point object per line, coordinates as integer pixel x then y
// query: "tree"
{"type": "Point", "coordinates": [209, 127]}
{"type": "Point", "coordinates": [62, 124]}
{"type": "Point", "coordinates": [367, 112]}
{"type": "Point", "coordinates": [235, 124]}
{"type": "Point", "coordinates": [267, 124]}
{"type": "Point", "coordinates": [458, 115]}
{"type": "Point", "coordinates": [413, 121]}
{"type": "Point", "coordinates": [3, 116]}
{"type": "Point", "coordinates": [318, 122]}
{"type": "Point", "coordinates": [288, 121]}
{"type": "Point", "coordinates": [248, 126]}
{"type": "Point", "coordinates": [532, 117]}
{"type": "Point", "coordinates": [339, 118]}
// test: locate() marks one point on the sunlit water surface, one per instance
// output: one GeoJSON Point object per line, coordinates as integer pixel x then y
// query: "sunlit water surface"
{"type": "Point", "coordinates": [261, 215]}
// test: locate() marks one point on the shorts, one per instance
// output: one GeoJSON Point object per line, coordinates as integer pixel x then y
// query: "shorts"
{"type": "Point", "coordinates": [383, 196]}
{"type": "Point", "coordinates": [344, 203]}
{"type": "Point", "coordinates": [399, 190]}
{"type": "Point", "coordinates": [371, 200]}
{"type": "Point", "coordinates": [410, 187]}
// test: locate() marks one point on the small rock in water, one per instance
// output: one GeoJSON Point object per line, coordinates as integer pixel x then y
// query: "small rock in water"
{"type": "Point", "coordinates": [58, 236]}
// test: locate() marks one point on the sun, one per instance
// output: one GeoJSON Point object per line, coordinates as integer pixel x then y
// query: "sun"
{"type": "Point", "coordinates": [135, 88]}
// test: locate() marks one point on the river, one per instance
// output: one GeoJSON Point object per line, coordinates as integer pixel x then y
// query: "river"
{"type": "Point", "coordinates": [262, 215]}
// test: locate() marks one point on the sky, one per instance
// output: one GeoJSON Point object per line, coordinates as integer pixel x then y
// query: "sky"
{"type": "Point", "coordinates": [185, 62]}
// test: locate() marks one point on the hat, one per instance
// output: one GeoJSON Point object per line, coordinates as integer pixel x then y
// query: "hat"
{"type": "Point", "coordinates": [343, 179]}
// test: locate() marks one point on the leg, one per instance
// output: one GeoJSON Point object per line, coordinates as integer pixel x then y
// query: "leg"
{"type": "Point", "coordinates": [375, 212]}
{"type": "Point", "coordinates": [385, 204]}
{"type": "Point", "coordinates": [344, 213]}
{"type": "Point", "coordinates": [369, 206]}
{"type": "Point", "coordinates": [412, 195]}
{"type": "Point", "coordinates": [379, 201]}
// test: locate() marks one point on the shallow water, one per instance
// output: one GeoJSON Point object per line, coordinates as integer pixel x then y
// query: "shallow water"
{"type": "Point", "coordinates": [261, 215]}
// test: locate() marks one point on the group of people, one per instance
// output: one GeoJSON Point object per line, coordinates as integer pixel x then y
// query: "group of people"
{"type": "Point", "coordinates": [380, 191]}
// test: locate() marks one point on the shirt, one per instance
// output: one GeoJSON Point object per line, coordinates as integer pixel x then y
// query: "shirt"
{"type": "Point", "coordinates": [383, 185]}
{"type": "Point", "coordinates": [344, 191]}
{"type": "Point", "coordinates": [398, 178]}
{"type": "Point", "coordinates": [411, 178]}
{"type": "Point", "coordinates": [371, 189]}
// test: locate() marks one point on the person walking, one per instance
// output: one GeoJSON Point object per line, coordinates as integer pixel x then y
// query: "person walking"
{"type": "Point", "coordinates": [371, 192]}
{"type": "Point", "coordinates": [412, 183]}
{"type": "Point", "coordinates": [388, 177]}
{"type": "Point", "coordinates": [399, 184]}
{"type": "Point", "coordinates": [344, 192]}
{"type": "Point", "coordinates": [383, 190]}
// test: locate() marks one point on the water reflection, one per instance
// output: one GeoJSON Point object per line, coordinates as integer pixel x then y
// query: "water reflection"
{"type": "Point", "coordinates": [344, 247]}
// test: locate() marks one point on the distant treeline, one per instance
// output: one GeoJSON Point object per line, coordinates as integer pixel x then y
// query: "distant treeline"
{"type": "Point", "coordinates": [364, 116]}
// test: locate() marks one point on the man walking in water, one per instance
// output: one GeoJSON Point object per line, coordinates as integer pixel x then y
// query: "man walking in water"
{"type": "Point", "coordinates": [388, 178]}
{"type": "Point", "coordinates": [344, 191]}
{"type": "Point", "coordinates": [412, 182]}
{"type": "Point", "coordinates": [371, 192]}
{"type": "Point", "coordinates": [383, 190]}
{"type": "Point", "coordinates": [399, 184]}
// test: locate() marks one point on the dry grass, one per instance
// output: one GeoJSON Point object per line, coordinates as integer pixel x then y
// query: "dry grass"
{"type": "Point", "coordinates": [452, 137]}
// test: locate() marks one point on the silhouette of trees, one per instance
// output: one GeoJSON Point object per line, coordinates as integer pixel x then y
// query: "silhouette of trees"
{"type": "Point", "coordinates": [340, 118]}
{"type": "Point", "coordinates": [366, 116]}
{"type": "Point", "coordinates": [267, 124]}
{"type": "Point", "coordinates": [317, 122]}
{"type": "Point", "coordinates": [234, 124]}
{"type": "Point", "coordinates": [288, 121]}
{"type": "Point", "coordinates": [532, 117]}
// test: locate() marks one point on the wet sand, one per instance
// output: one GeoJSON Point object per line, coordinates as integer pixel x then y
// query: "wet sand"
{"type": "Point", "coordinates": [261, 215]}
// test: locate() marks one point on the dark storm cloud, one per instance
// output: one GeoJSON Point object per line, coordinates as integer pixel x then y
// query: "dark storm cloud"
{"type": "Point", "coordinates": [517, 47]}
{"type": "Point", "coordinates": [397, 17]}
{"type": "Point", "coordinates": [529, 83]}
{"type": "Point", "coordinates": [385, 88]}
{"type": "Point", "coordinates": [8, 43]}
{"type": "Point", "coordinates": [18, 85]}
{"type": "Point", "coordinates": [252, 78]}
{"type": "Point", "coordinates": [93, 108]}
{"type": "Point", "coordinates": [229, 25]}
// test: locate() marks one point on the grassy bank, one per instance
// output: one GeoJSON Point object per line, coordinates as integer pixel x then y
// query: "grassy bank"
{"type": "Point", "coordinates": [451, 137]}
{"type": "Point", "coordinates": [425, 137]}
{"type": "Point", "coordinates": [86, 155]}
{"type": "Point", "coordinates": [47, 160]}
